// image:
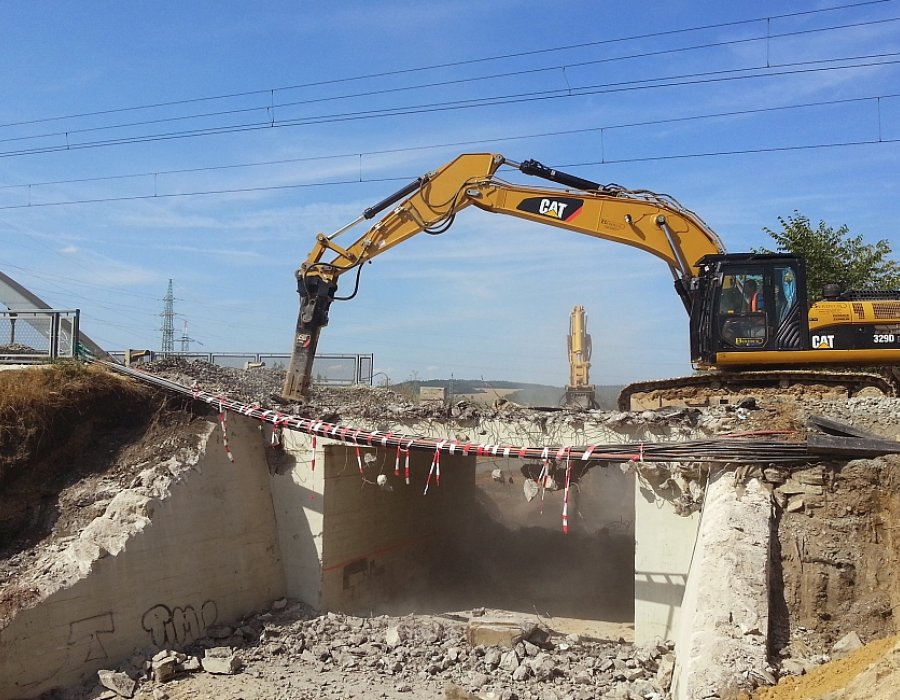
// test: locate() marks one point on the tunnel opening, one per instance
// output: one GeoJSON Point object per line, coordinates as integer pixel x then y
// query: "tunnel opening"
{"type": "Point", "coordinates": [475, 540]}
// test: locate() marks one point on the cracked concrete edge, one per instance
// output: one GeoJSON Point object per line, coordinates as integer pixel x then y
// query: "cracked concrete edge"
{"type": "Point", "coordinates": [723, 641]}
{"type": "Point", "coordinates": [126, 515]}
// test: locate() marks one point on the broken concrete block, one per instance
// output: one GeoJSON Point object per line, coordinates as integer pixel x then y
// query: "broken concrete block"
{"type": "Point", "coordinates": [492, 658]}
{"type": "Point", "coordinates": [664, 672]}
{"type": "Point", "coordinates": [221, 660]}
{"type": "Point", "coordinates": [795, 504]}
{"type": "Point", "coordinates": [494, 633]}
{"type": "Point", "coordinates": [792, 667]}
{"type": "Point", "coordinates": [509, 662]}
{"type": "Point", "coordinates": [120, 683]}
{"type": "Point", "coordinates": [537, 635]}
{"type": "Point", "coordinates": [393, 636]}
{"type": "Point", "coordinates": [794, 486]}
{"type": "Point", "coordinates": [191, 664]}
{"type": "Point", "coordinates": [774, 475]}
{"type": "Point", "coordinates": [846, 645]}
{"type": "Point", "coordinates": [164, 670]}
{"type": "Point", "coordinates": [582, 678]}
{"type": "Point", "coordinates": [478, 680]}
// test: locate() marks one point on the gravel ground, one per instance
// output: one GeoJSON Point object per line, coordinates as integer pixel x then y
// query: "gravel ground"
{"type": "Point", "coordinates": [293, 653]}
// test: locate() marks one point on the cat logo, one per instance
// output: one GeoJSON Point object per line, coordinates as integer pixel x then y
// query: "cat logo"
{"type": "Point", "coordinates": [560, 208]}
{"type": "Point", "coordinates": [823, 342]}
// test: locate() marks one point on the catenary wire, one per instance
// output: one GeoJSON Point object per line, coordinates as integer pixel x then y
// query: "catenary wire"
{"type": "Point", "coordinates": [703, 78]}
{"type": "Point", "coordinates": [471, 142]}
{"type": "Point", "coordinates": [269, 108]}
{"type": "Point", "coordinates": [453, 64]}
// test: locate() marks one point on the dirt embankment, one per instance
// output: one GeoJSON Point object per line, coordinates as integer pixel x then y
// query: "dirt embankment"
{"type": "Point", "coordinates": [71, 437]}
{"type": "Point", "coordinates": [839, 558]}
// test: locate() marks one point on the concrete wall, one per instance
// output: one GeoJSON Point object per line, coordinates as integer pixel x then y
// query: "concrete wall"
{"type": "Point", "coordinates": [154, 571]}
{"type": "Point", "coordinates": [603, 499]}
{"type": "Point", "coordinates": [220, 539]}
{"type": "Point", "coordinates": [380, 543]}
{"type": "Point", "coordinates": [347, 545]}
{"type": "Point", "coordinates": [298, 488]}
{"type": "Point", "coordinates": [663, 549]}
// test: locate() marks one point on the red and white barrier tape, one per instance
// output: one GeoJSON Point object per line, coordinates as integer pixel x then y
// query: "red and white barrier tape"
{"type": "Point", "coordinates": [222, 418]}
{"type": "Point", "coordinates": [565, 511]}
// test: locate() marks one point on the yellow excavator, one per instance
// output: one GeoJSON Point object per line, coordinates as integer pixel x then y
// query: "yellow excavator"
{"type": "Point", "coordinates": [580, 393]}
{"type": "Point", "coordinates": [750, 324]}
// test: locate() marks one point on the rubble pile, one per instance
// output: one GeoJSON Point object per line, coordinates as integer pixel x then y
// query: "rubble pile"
{"type": "Point", "coordinates": [262, 386]}
{"type": "Point", "coordinates": [291, 646]}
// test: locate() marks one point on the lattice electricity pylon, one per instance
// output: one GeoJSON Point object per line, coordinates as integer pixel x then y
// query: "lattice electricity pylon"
{"type": "Point", "coordinates": [186, 340]}
{"type": "Point", "coordinates": [168, 327]}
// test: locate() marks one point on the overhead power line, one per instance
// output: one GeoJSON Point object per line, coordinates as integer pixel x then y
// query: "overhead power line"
{"type": "Point", "coordinates": [271, 107]}
{"type": "Point", "coordinates": [467, 143]}
{"type": "Point", "coordinates": [768, 19]}
{"type": "Point", "coordinates": [334, 183]}
{"type": "Point", "coordinates": [800, 68]}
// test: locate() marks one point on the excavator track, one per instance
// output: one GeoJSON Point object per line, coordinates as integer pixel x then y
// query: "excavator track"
{"type": "Point", "coordinates": [718, 388]}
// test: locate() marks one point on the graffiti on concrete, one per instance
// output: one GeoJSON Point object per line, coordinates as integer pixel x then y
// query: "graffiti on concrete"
{"type": "Point", "coordinates": [180, 625]}
{"type": "Point", "coordinates": [89, 630]}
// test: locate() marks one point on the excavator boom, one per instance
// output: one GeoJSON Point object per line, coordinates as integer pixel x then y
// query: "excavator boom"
{"type": "Point", "coordinates": [654, 223]}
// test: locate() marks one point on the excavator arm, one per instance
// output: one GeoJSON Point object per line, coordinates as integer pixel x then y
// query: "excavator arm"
{"type": "Point", "coordinates": [654, 223]}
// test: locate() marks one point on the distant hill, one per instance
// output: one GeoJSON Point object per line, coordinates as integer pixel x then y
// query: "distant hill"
{"type": "Point", "coordinates": [488, 391]}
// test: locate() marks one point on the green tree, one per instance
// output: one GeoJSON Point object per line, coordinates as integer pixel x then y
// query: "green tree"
{"type": "Point", "coordinates": [833, 256]}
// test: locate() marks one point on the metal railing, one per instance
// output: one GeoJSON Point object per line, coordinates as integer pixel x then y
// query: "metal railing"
{"type": "Point", "coordinates": [32, 336]}
{"type": "Point", "coordinates": [330, 369]}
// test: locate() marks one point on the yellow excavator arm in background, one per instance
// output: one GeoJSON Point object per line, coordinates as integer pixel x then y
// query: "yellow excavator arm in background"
{"type": "Point", "coordinates": [579, 391]}
{"type": "Point", "coordinates": [579, 349]}
{"type": "Point", "coordinates": [654, 223]}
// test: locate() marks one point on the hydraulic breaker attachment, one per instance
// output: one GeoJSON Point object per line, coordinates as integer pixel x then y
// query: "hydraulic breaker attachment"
{"type": "Point", "coordinates": [316, 295]}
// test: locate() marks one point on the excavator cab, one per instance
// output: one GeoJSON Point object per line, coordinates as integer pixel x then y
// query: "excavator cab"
{"type": "Point", "coordinates": [748, 302]}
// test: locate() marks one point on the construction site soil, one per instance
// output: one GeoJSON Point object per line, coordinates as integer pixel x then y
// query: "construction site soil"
{"type": "Point", "coordinates": [72, 436]}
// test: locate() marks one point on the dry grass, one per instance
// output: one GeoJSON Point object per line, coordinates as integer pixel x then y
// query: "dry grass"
{"type": "Point", "coordinates": [40, 400]}
{"type": "Point", "coordinates": [30, 392]}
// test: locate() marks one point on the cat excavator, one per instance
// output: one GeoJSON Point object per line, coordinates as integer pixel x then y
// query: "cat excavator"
{"type": "Point", "coordinates": [749, 320]}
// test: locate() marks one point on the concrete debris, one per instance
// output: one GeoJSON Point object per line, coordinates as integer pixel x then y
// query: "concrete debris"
{"type": "Point", "coordinates": [262, 386]}
{"type": "Point", "coordinates": [506, 634]}
{"type": "Point", "coordinates": [221, 660]}
{"type": "Point", "coordinates": [120, 683]}
{"type": "Point", "coordinates": [847, 644]}
{"type": "Point", "coordinates": [400, 655]}
{"type": "Point", "coordinates": [164, 671]}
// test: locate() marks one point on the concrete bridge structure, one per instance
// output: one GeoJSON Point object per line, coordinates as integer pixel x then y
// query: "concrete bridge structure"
{"type": "Point", "coordinates": [206, 538]}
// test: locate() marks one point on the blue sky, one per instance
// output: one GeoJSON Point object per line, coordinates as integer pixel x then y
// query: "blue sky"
{"type": "Point", "coordinates": [111, 182]}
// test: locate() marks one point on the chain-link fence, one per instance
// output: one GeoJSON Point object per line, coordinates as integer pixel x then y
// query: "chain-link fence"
{"type": "Point", "coordinates": [38, 335]}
